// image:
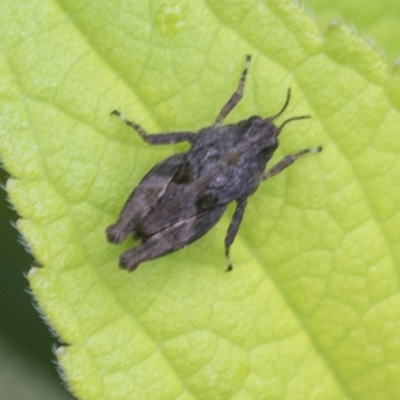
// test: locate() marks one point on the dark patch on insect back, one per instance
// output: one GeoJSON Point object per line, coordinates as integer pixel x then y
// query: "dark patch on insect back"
{"type": "Point", "coordinates": [184, 175]}
{"type": "Point", "coordinates": [205, 201]}
{"type": "Point", "coordinates": [184, 196]}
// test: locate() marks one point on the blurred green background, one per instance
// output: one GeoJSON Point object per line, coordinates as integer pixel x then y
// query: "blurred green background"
{"type": "Point", "coordinates": [27, 369]}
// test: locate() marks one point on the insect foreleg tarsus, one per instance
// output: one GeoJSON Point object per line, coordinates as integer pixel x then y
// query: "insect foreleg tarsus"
{"type": "Point", "coordinates": [233, 229]}
{"type": "Point", "coordinates": [161, 138]}
{"type": "Point", "coordinates": [235, 98]}
{"type": "Point", "coordinates": [286, 161]}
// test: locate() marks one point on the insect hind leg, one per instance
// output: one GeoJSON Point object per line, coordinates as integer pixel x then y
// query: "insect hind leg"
{"type": "Point", "coordinates": [235, 98]}
{"type": "Point", "coordinates": [233, 230]}
{"type": "Point", "coordinates": [172, 238]}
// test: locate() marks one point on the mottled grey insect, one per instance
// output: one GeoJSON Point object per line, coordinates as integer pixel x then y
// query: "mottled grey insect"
{"type": "Point", "coordinates": [184, 196]}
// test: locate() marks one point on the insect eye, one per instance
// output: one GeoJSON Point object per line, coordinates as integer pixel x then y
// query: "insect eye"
{"type": "Point", "coordinates": [255, 120]}
{"type": "Point", "coordinates": [249, 123]}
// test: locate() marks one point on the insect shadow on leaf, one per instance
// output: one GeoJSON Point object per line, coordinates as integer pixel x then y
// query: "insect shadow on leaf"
{"type": "Point", "coordinates": [185, 195]}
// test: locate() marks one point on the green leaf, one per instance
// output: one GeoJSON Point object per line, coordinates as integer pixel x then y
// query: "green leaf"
{"type": "Point", "coordinates": [380, 19]}
{"type": "Point", "coordinates": [312, 307]}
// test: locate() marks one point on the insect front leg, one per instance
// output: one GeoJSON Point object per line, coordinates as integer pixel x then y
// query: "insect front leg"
{"type": "Point", "coordinates": [160, 138]}
{"type": "Point", "coordinates": [233, 229]}
{"type": "Point", "coordinates": [235, 98]}
{"type": "Point", "coordinates": [288, 160]}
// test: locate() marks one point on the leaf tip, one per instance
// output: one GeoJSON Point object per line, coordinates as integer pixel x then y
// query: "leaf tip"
{"type": "Point", "coordinates": [34, 271]}
{"type": "Point", "coordinates": [60, 351]}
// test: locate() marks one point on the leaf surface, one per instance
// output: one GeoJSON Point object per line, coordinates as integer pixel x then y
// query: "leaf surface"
{"type": "Point", "coordinates": [312, 307]}
{"type": "Point", "coordinates": [380, 19]}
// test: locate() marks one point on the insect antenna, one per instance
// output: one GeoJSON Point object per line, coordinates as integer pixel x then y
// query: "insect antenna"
{"type": "Point", "coordinates": [279, 129]}
{"type": "Point", "coordinates": [283, 108]}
